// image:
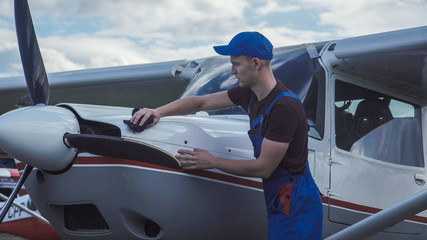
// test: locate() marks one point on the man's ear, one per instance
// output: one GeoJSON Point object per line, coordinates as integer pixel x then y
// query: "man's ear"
{"type": "Point", "coordinates": [256, 62]}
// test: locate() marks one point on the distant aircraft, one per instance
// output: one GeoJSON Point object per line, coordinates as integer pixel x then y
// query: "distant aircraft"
{"type": "Point", "coordinates": [22, 219]}
{"type": "Point", "coordinates": [93, 177]}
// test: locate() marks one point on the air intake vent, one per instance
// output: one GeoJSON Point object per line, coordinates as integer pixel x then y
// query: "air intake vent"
{"type": "Point", "coordinates": [84, 217]}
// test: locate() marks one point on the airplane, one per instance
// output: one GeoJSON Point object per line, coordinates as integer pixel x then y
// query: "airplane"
{"type": "Point", "coordinates": [92, 177]}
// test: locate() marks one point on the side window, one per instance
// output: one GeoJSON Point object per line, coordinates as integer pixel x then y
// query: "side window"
{"type": "Point", "coordinates": [378, 126]}
{"type": "Point", "coordinates": [314, 103]}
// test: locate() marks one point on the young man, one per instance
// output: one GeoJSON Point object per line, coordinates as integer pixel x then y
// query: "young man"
{"type": "Point", "coordinates": [278, 132]}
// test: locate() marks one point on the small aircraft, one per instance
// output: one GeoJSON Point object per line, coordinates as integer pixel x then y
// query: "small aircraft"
{"type": "Point", "coordinates": [91, 176]}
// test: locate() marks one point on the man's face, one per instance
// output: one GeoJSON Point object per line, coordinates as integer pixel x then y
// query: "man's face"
{"type": "Point", "coordinates": [242, 68]}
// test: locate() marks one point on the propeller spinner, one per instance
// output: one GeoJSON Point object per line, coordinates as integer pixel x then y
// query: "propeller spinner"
{"type": "Point", "coordinates": [34, 135]}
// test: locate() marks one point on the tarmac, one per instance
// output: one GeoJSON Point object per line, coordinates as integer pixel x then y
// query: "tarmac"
{"type": "Point", "coordinates": [5, 236]}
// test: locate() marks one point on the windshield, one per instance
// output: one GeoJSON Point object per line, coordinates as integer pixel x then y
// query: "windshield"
{"type": "Point", "coordinates": [290, 65]}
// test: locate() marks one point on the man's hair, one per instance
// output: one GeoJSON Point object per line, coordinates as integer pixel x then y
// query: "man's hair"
{"type": "Point", "coordinates": [264, 62]}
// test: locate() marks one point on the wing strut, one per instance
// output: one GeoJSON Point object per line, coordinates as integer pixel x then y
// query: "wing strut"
{"type": "Point", "coordinates": [384, 219]}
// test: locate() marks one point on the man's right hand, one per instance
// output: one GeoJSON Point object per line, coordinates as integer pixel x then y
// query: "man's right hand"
{"type": "Point", "coordinates": [145, 113]}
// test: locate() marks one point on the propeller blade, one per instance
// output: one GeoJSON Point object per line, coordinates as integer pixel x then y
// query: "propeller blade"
{"type": "Point", "coordinates": [117, 147]}
{"type": "Point", "coordinates": [32, 62]}
{"type": "Point", "coordinates": [8, 203]}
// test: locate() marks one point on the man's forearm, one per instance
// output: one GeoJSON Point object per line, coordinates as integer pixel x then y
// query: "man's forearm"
{"type": "Point", "coordinates": [245, 168]}
{"type": "Point", "coordinates": [181, 106]}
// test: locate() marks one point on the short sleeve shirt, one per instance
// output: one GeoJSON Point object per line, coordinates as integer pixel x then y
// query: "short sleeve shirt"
{"type": "Point", "coordinates": [286, 122]}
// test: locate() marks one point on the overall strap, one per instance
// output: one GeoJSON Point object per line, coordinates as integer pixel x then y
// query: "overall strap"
{"type": "Point", "coordinates": [282, 94]}
{"type": "Point", "coordinates": [261, 117]}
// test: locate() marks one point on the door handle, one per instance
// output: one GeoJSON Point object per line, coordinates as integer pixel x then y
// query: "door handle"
{"type": "Point", "coordinates": [420, 179]}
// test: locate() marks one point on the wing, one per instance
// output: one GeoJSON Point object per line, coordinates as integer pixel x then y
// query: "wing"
{"type": "Point", "coordinates": [147, 85]}
{"type": "Point", "coordinates": [396, 59]}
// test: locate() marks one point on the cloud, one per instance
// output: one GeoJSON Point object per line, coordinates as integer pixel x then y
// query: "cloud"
{"type": "Point", "coordinates": [274, 6]}
{"type": "Point", "coordinates": [282, 36]}
{"type": "Point", "coordinates": [6, 8]}
{"type": "Point", "coordinates": [92, 51]}
{"type": "Point", "coordinates": [55, 61]}
{"type": "Point", "coordinates": [354, 18]}
{"type": "Point", "coordinates": [177, 20]}
{"type": "Point", "coordinates": [127, 32]}
{"type": "Point", "coordinates": [100, 33]}
{"type": "Point", "coordinates": [9, 54]}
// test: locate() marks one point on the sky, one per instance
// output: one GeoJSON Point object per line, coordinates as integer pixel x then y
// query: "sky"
{"type": "Point", "coordinates": [82, 34]}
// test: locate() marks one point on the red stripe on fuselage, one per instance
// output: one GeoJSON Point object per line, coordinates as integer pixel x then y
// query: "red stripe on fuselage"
{"type": "Point", "coordinates": [365, 209]}
{"type": "Point", "coordinates": [199, 173]}
{"type": "Point", "coordinates": [231, 179]}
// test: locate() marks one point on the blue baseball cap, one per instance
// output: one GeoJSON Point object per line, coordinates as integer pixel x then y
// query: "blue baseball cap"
{"type": "Point", "coordinates": [251, 44]}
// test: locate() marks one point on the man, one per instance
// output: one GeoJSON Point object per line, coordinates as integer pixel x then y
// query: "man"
{"type": "Point", "coordinates": [278, 132]}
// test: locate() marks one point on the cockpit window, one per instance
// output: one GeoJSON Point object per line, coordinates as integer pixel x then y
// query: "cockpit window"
{"type": "Point", "coordinates": [214, 77]}
{"type": "Point", "coordinates": [378, 126]}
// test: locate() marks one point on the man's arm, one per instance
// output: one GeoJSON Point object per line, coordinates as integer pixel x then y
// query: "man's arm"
{"type": "Point", "coordinates": [185, 106]}
{"type": "Point", "coordinates": [272, 153]}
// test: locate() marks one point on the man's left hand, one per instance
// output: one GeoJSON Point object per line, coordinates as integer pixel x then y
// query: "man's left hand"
{"type": "Point", "coordinates": [197, 159]}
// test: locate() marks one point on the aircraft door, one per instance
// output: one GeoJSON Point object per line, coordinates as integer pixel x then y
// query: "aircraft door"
{"type": "Point", "coordinates": [319, 139]}
{"type": "Point", "coordinates": [376, 155]}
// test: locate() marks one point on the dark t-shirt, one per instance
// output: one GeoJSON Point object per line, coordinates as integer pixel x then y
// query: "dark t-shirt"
{"type": "Point", "coordinates": [286, 122]}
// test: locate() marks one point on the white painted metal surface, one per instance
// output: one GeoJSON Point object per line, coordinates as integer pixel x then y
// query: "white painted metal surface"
{"type": "Point", "coordinates": [34, 135]}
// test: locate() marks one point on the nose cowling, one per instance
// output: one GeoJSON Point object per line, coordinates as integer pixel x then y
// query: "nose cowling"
{"type": "Point", "coordinates": [34, 135]}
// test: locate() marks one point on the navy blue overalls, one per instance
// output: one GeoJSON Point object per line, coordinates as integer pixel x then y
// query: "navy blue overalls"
{"type": "Point", "coordinates": [293, 202]}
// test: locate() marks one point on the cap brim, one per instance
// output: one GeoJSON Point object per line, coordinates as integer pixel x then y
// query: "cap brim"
{"type": "Point", "coordinates": [225, 50]}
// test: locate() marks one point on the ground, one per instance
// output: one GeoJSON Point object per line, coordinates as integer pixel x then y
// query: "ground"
{"type": "Point", "coordinates": [5, 236]}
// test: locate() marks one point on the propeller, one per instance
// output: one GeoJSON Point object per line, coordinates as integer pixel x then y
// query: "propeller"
{"type": "Point", "coordinates": [48, 137]}
{"type": "Point", "coordinates": [35, 75]}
